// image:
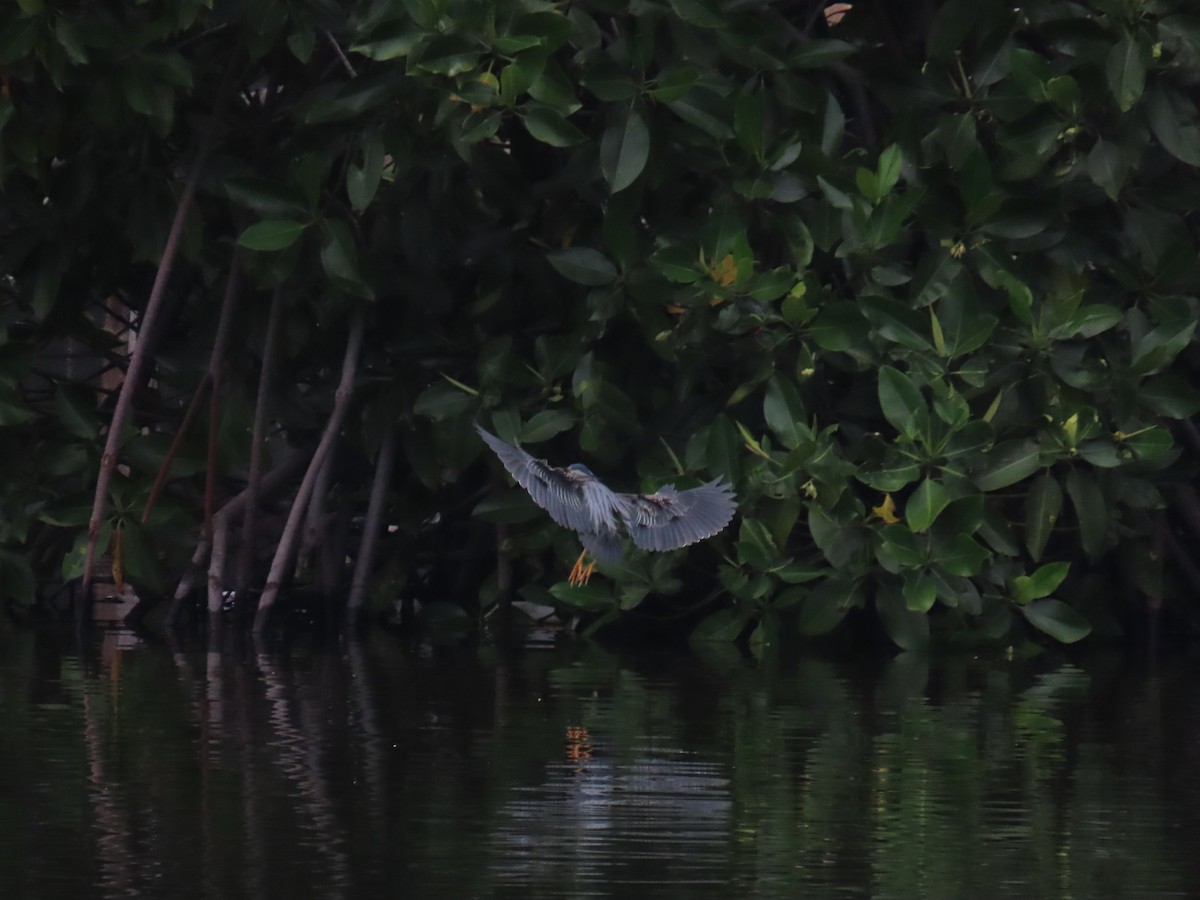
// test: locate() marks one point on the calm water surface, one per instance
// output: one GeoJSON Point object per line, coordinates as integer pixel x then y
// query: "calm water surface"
{"type": "Point", "coordinates": [373, 770]}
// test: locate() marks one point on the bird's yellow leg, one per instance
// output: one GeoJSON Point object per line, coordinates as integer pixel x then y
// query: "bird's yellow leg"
{"type": "Point", "coordinates": [581, 573]}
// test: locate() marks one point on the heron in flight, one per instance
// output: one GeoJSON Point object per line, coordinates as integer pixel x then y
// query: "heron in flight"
{"type": "Point", "coordinates": [575, 498]}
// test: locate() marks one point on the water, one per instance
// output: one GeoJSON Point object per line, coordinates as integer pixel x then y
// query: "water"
{"type": "Point", "coordinates": [372, 770]}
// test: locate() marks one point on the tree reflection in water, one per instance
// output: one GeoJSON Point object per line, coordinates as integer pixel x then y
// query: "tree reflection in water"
{"type": "Point", "coordinates": [370, 770]}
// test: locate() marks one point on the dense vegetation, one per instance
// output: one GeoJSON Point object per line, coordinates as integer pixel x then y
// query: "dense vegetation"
{"type": "Point", "coordinates": [918, 279]}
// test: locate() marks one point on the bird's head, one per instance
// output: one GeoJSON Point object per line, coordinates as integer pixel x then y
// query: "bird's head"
{"type": "Point", "coordinates": [581, 469]}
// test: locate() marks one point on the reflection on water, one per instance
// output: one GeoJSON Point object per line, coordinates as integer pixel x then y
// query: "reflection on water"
{"type": "Point", "coordinates": [372, 771]}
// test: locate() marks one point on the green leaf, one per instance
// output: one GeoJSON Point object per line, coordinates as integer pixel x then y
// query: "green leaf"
{"type": "Point", "coordinates": [748, 123]}
{"type": "Point", "coordinates": [959, 138]}
{"type": "Point", "coordinates": [827, 605]}
{"type": "Point", "coordinates": [1042, 583]}
{"type": "Point", "coordinates": [1042, 507]}
{"type": "Point", "coordinates": [517, 77]}
{"type": "Point", "coordinates": [902, 404]}
{"type": "Point", "coordinates": [13, 409]}
{"type": "Point", "coordinates": [1159, 346]}
{"type": "Point", "coordinates": [272, 234]}
{"type": "Point", "coordinates": [784, 412]}
{"type": "Point", "coordinates": [1171, 396]}
{"type": "Point", "coordinates": [698, 12]}
{"type": "Point", "coordinates": [583, 265]}
{"type": "Point", "coordinates": [339, 257]}
{"type": "Point", "coordinates": [596, 596]}
{"type": "Point", "coordinates": [609, 81]}
{"type": "Point", "coordinates": [267, 198]}
{"type": "Point", "coordinates": [1106, 166]}
{"type": "Point", "coordinates": [766, 635]}
{"type": "Point", "coordinates": [1091, 512]}
{"type": "Point", "coordinates": [896, 321]}
{"type": "Point", "coordinates": [837, 198]}
{"type": "Point", "coordinates": [1007, 464]}
{"type": "Point", "coordinates": [509, 506]}
{"type": "Point", "coordinates": [892, 475]}
{"type": "Point", "coordinates": [1173, 120]}
{"type": "Point", "coordinates": [75, 560]}
{"type": "Point", "coordinates": [890, 161]}
{"type": "Point", "coordinates": [1150, 443]}
{"type": "Point", "coordinates": [17, 578]}
{"type": "Point", "coordinates": [17, 39]}
{"type": "Point", "coordinates": [76, 411]}
{"type": "Point", "coordinates": [961, 555]}
{"type": "Point", "coordinates": [441, 401]}
{"type": "Point", "coordinates": [725, 626]}
{"type": "Point", "coordinates": [301, 43]}
{"type": "Point", "coordinates": [755, 546]}
{"type": "Point", "coordinates": [363, 181]}
{"type": "Point", "coordinates": [1089, 321]}
{"type": "Point", "coordinates": [772, 285]}
{"type": "Point", "coordinates": [908, 630]}
{"type": "Point", "coordinates": [67, 512]}
{"type": "Point", "coordinates": [448, 55]}
{"type": "Point", "coordinates": [920, 592]}
{"type": "Point", "coordinates": [1057, 619]}
{"type": "Point", "coordinates": [950, 27]}
{"type": "Point", "coordinates": [722, 448]}
{"type": "Point", "coordinates": [141, 564]}
{"type": "Point", "coordinates": [900, 544]}
{"type": "Point", "coordinates": [480, 126]}
{"type": "Point", "coordinates": [548, 126]}
{"type": "Point", "coordinates": [674, 83]}
{"type": "Point", "coordinates": [624, 149]}
{"type": "Point", "coordinates": [925, 504]}
{"type": "Point", "coordinates": [706, 110]}
{"type": "Point", "coordinates": [821, 52]}
{"type": "Point", "coordinates": [546, 424]}
{"type": "Point", "coordinates": [1126, 71]}
{"type": "Point", "coordinates": [396, 47]}
{"type": "Point", "coordinates": [833, 128]}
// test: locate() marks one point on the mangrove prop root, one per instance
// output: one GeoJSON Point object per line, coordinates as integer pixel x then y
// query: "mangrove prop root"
{"type": "Point", "coordinates": [380, 484]}
{"type": "Point", "coordinates": [108, 460]}
{"type": "Point", "coordinates": [271, 481]}
{"type": "Point", "coordinates": [262, 406]}
{"type": "Point", "coordinates": [287, 540]}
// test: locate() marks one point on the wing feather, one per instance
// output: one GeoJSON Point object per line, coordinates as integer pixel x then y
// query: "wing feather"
{"type": "Point", "coordinates": [558, 491]}
{"type": "Point", "coordinates": [669, 519]}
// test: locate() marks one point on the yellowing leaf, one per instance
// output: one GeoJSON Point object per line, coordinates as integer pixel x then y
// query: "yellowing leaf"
{"type": "Point", "coordinates": [886, 510]}
{"type": "Point", "coordinates": [724, 273]}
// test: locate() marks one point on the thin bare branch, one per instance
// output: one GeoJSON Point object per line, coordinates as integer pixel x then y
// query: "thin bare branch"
{"type": "Point", "coordinates": [337, 48]}
{"type": "Point", "coordinates": [176, 442]}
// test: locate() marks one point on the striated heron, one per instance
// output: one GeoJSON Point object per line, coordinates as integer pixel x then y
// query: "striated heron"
{"type": "Point", "coordinates": [575, 498]}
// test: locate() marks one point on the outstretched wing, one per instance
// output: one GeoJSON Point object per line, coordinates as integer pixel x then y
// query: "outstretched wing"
{"type": "Point", "coordinates": [669, 519]}
{"type": "Point", "coordinates": [564, 493]}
